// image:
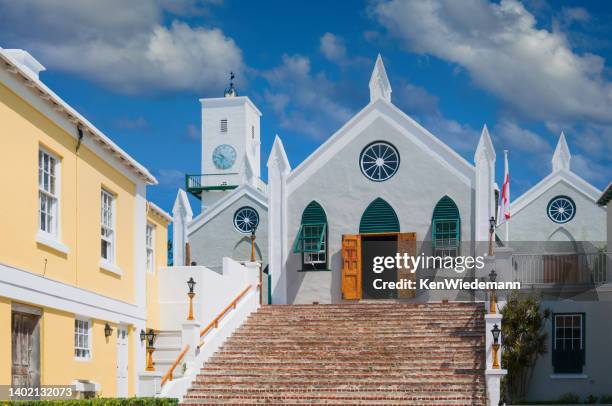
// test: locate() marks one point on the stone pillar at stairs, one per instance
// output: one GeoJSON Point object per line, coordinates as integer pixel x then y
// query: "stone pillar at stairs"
{"type": "Point", "coordinates": [190, 335]}
{"type": "Point", "coordinates": [493, 376]}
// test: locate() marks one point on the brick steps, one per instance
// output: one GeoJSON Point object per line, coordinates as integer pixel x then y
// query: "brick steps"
{"type": "Point", "coordinates": [350, 354]}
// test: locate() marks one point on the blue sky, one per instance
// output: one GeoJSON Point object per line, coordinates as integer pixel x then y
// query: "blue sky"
{"type": "Point", "coordinates": [527, 69]}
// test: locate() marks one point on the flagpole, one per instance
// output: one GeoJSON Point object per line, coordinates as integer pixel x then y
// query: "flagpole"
{"type": "Point", "coordinates": [505, 172]}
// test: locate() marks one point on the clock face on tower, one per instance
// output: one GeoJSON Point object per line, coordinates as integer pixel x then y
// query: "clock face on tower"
{"type": "Point", "coordinates": [224, 156]}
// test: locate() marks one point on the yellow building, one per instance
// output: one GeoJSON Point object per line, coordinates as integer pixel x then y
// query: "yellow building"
{"type": "Point", "coordinates": [80, 245]}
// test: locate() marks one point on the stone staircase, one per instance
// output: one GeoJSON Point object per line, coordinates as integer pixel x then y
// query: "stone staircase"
{"type": "Point", "coordinates": [367, 353]}
{"type": "Point", "coordinates": [167, 347]}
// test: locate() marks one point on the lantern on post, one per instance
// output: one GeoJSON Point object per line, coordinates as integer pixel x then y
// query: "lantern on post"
{"type": "Point", "coordinates": [143, 335]}
{"type": "Point", "coordinates": [150, 337]}
{"type": "Point", "coordinates": [495, 332]}
{"type": "Point", "coordinates": [493, 296]}
{"type": "Point", "coordinates": [491, 231]}
{"type": "Point", "coordinates": [191, 284]}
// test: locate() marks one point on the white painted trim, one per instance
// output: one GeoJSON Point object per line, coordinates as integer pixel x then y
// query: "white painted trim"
{"type": "Point", "coordinates": [220, 102]}
{"type": "Point", "coordinates": [58, 195]}
{"type": "Point", "coordinates": [159, 211]}
{"type": "Point", "coordinates": [51, 241]}
{"type": "Point", "coordinates": [110, 267]}
{"type": "Point", "coordinates": [402, 122]}
{"type": "Point", "coordinates": [569, 178]}
{"type": "Point", "coordinates": [89, 322]}
{"type": "Point", "coordinates": [569, 376]}
{"type": "Point", "coordinates": [21, 308]}
{"type": "Point", "coordinates": [26, 287]}
{"type": "Point", "coordinates": [49, 104]}
{"type": "Point", "coordinates": [221, 205]}
{"type": "Point", "coordinates": [85, 386]}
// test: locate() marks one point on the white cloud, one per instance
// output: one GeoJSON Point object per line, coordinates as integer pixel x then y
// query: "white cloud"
{"type": "Point", "coordinates": [304, 102]}
{"type": "Point", "coordinates": [127, 49]}
{"type": "Point", "coordinates": [334, 49]}
{"type": "Point", "coordinates": [533, 70]}
{"type": "Point", "coordinates": [515, 138]}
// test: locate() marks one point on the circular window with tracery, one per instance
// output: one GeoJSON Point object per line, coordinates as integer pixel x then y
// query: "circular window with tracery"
{"type": "Point", "coordinates": [379, 161]}
{"type": "Point", "coordinates": [246, 219]}
{"type": "Point", "coordinates": [561, 209]}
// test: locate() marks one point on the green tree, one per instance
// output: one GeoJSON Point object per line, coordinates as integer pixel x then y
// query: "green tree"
{"type": "Point", "coordinates": [523, 340]}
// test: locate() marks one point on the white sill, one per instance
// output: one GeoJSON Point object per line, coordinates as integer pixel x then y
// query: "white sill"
{"type": "Point", "coordinates": [51, 242]}
{"type": "Point", "coordinates": [569, 376]}
{"type": "Point", "coordinates": [110, 267]}
{"type": "Point", "coordinates": [82, 359]}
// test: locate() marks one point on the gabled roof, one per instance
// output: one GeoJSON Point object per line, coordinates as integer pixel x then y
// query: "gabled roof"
{"type": "Point", "coordinates": [381, 108]}
{"type": "Point", "coordinates": [564, 176]}
{"type": "Point", "coordinates": [28, 74]}
{"type": "Point", "coordinates": [221, 205]}
{"type": "Point", "coordinates": [606, 196]}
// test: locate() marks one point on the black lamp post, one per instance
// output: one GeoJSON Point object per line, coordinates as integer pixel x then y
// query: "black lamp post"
{"type": "Point", "coordinates": [495, 332]}
{"type": "Point", "coordinates": [491, 231]}
{"type": "Point", "coordinates": [150, 336]}
{"type": "Point", "coordinates": [191, 284]}
{"type": "Point", "coordinates": [108, 330]}
{"type": "Point", "coordinates": [143, 335]}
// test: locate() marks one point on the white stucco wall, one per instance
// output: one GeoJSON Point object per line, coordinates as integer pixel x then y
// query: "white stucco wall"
{"type": "Point", "coordinates": [219, 238]}
{"type": "Point", "coordinates": [532, 222]}
{"type": "Point", "coordinates": [344, 193]}
{"type": "Point", "coordinates": [596, 378]}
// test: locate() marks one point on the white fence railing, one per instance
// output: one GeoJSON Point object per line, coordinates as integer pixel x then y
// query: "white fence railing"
{"type": "Point", "coordinates": [555, 269]}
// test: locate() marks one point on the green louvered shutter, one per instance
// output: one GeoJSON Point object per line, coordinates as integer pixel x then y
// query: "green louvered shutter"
{"type": "Point", "coordinates": [379, 217]}
{"type": "Point", "coordinates": [314, 214]}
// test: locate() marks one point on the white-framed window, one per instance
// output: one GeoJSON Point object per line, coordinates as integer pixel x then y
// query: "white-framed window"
{"type": "Point", "coordinates": [223, 125]}
{"type": "Point", "coordinates": [48, 193]}
{"type": "Point", "coordinates": [150, 240]}
{"type": "Point", "coordinates": [107, 219]}
{"type": "Point", "coordinates": [568, 332]}
{"type": "Point", "coordinates": [82, 338]}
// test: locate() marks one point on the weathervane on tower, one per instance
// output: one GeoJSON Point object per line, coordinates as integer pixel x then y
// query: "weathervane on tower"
{"type": "Point", "coordinates": [231, 90]}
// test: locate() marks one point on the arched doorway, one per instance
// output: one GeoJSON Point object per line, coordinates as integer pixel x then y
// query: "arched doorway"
{"type": "Point", "coordinates": [379, 227]}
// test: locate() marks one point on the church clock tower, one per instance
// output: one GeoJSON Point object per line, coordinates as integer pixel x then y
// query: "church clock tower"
{"type": "Point", "coordinates": [230, 146]}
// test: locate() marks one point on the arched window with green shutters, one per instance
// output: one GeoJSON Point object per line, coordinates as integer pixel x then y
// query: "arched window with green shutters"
{"type": "Point", "coordinates": [311, 239]}
{"type": "Point", "coordinates": [446, 228]}
{"type": "Point", "coordinates": [379, 217]}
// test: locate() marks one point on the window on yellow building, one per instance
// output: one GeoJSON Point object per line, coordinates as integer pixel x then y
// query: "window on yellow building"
{"type": "Point", "coordinates": [150, 235]}
{"type": "Point", "coordinates": [48, 193]}
{"type": "Point", "coordinates": [108, 226]}
{"type": "Point", "coordinates": [82, 339]}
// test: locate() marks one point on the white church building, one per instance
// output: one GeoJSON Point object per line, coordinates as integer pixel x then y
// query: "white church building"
{"type": "Point", "coordinates": [383, 184]}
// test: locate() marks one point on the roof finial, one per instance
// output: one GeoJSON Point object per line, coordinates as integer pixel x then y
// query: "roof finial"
{"type": "Point", "coordinates": [231, 90]}
{"type": "Point", "coordinates": [380, 88]}
{"type": "Point", "coordinates": [561, 158]}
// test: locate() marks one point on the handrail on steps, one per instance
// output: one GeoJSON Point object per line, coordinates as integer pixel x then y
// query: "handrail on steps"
{"type": "Point", "coordinates": [215, 322]}
{"type": "Point", "coordinates": [168, 375]}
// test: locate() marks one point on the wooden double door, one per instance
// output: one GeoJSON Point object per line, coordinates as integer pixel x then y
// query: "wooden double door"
{"type": "Point", "coordinates": [25, 349]}
{"type": "Point", "coordinates": [357, 253]}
